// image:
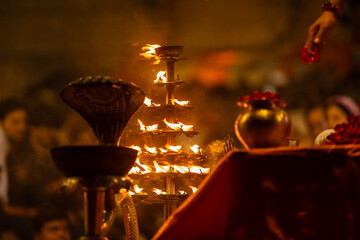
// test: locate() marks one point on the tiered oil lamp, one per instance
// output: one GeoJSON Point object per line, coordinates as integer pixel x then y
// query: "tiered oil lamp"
{"type": "Point", "coordinates": [107, 104]}
{"type": "Point", "coordinates": [171, 168]}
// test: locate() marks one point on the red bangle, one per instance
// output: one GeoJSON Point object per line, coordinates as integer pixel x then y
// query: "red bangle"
{"type": "Point", "coordinates": [332, 7]}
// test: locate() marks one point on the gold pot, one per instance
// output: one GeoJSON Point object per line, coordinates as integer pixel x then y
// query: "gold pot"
{"type": "Point", "coordinates": [263, 124]}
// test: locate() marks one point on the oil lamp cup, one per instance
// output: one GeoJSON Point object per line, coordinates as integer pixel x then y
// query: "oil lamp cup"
{"type": "Point", "coordinates": [169, 51]}
{"type": "Point", "coordinates": [263, 124]}
{"type": "Point", "coordinates": [98, 170]}
{"type": "Point", "coordinates": [107, 104]}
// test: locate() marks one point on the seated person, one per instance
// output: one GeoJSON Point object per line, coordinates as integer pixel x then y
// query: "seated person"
{"type": "Point", "coordinates": [338, 108]}
{"type": "Point", "coordinates": [13, 128]}
{"type": "Point", "coordinates": [34, 178]}
{"type": "Point", "coordinates": [51, 223]}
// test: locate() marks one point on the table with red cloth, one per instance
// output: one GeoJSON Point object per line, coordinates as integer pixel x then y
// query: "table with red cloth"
{"type": "Point", "coordinates": [274, 193]}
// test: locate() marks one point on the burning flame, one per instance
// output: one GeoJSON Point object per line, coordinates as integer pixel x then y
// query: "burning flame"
{"type": "Point", "coordinates": [174, 148]}
{"type": "Point", "coordinates": [161, 169]}
{"type": "Point", "coordinates": [148, 102]}
{"type": "Point", "coordinates": [179, 126]}
{"type": "Point", "coordinates": [160, 77]}
{"type": "Point", "coordinates": [137, 169]}
{"type": "Point", "coordinates": [142, 126]}
{"type": "Point", "coordinates": [180, 169]}
{"type": "Point", "coordinates": [158, 191]}
{"type": "Point", "coordinates": [150, 149]}
{"type": "Point", "coordinates": [150, 53]}
{"type": "Point", "coordinates": [137, 189]}
{"type": "Point", "coordinates": [182, 192]}
{"type": "Point", "coordinates": [167, 168]}
{"type": "Point", "coordinates": [190, 169]}
{"type": "Point", "coordinates": [175, 126]}
{"type": "Point", "coordinates": [182, 103]}
{"type": "Point", "coordinates": [136, 148]}
{"type": "Point", "coordinates": [194, 189]}
{"type": "Point", "coordinates": [187, 127]}
{"type": "Point", "coordinates": [198, 169]}
{"type": "Point", "coordinates": [145, 167]}
{"type": "Point", "coordinates": [134, 170]}
{"type": "Point", "coordinates": [141, 168]}
{"type": "Point", "coordinates": [195, 148]}
{"type": "Point", "coordinates": [147, 128]}
{"type": "Point", "coordinates": [163, 150]}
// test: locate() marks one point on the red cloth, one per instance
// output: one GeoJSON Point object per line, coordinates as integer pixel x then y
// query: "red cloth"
{"type": "Point", "coordinates": [275, 193]}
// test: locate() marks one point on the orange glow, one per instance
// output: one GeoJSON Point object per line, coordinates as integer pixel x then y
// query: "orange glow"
{"type": "Point", "coordinates": [194, 189]}
{"type": "Point", "coordinates": [182, 192]}
{"type": "Point", "coordinates": [160, 77]}
{"type": "Point", "coordinates": [161, 169]}
{"type": "Point", "coordinates": [150, 149]}
{"type": "Point", "coordinates": [149, 52]}
{"type": "Point", "coordinates": [147, 128]}
{"type": "Point", "coordinates": [195, 148]}
{"type": "Point", "coordinates": [182, 103]}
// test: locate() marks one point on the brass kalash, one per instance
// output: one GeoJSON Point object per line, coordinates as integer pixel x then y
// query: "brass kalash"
{"type": "Point", "coordinates": [107, 104]}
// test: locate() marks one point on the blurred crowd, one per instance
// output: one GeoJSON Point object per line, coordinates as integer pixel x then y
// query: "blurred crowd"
{"type": "Point", "coordinates": [30, 193]}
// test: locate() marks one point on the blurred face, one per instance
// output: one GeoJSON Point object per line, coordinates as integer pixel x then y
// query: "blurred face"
{"type": "Point", "coordinates": [335, 115]}
{"type": "Point", "coordinates": [14, 125]}
{"type": "Point", "coordinates": [54, 230]}
{"type": "Point", "coordinates": [44, 136]}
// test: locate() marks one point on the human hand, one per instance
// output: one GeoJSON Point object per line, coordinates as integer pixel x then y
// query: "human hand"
{"type": "Point", "coordinates": [320, 30]}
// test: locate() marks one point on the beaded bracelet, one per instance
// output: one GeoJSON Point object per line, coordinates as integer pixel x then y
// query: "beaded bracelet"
{"type": "Point", "coordinates": [332, 7]}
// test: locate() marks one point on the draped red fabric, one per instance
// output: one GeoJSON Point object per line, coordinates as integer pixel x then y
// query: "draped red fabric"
{"type": "Point", "coordinates": [275, 193]}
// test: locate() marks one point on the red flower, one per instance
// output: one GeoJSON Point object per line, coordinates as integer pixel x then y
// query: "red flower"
{"type": "Point", "coordinates": [347, 133]}
{"type": "Point", "coordinates": [257, 95]}
{"type": "Point", "coordinates": [313, 57]}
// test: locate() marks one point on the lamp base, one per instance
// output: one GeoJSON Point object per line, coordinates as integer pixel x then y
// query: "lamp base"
{"type": "Point", "coordinates": [93, 238]}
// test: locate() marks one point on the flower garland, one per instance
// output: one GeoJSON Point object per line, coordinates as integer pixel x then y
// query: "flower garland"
{"type": "Point", "coordinates": [346, 133]}
{"type": "Point", "coordinates": [257, 95]}
{"type": "Point", "coordinates": [314, 56]}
